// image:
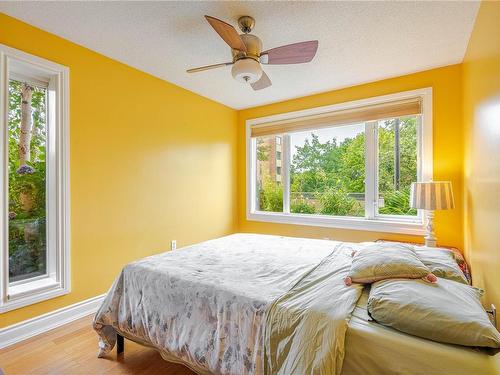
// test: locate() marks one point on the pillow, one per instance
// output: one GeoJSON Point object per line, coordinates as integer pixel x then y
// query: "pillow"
{"type": "Point", "coordinates": [448, 311]}
{"type": "Point", "coordinates": [441, 262]}
{"type": "Point", "coordinates": [386, 261]}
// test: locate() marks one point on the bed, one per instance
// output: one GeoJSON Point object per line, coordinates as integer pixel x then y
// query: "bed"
{"type": "Point", "coordinates": [260, 304]}
{"type": "Point", "coordinates": [372, 348]}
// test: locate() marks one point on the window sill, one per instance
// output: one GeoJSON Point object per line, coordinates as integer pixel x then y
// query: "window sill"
{"type": "Point", "coordinates": [408, 226]}
{"type": "Point", "coordinates": [30, 292]}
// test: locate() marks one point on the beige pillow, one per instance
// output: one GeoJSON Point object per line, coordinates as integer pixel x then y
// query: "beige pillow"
{"type": "Point", "coordinates": [386, 261]}
{"type": "Point", "coordinates": [441, 262]}
{"type": "Point", "coordinates": [447, 311]}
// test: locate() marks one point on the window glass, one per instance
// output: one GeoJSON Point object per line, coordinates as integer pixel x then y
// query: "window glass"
{"type": "Point", "coordinates": [327, 172]}
{"type": "Point", "coordinates": [27, 181]}
{"type": "Point", "coordinates": [397, 164]}
{"type": "Point", "coordinates": [269, 179]}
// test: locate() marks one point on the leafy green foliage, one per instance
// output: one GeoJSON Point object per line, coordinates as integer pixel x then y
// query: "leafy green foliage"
{"type": "Point", "coordinates": [31, 184]}
{"type": "Point", "coordinates": [317, 166]}
{"type": "Point", "coordinates": [337, 202]}
{"type": "Point", "coordinates": [408, 155]}
{"type": "Point", "coordinates": [332, 173]}
{"type": "Point", "coordinates": [302, 207]}
{"type": "Point", "coordinates": [271, 197]}
{"type": "Point", "coordinates": [39, 136]}
{"type": "Point", "coordinates": [26, 248]}
{"type": "Point", "coordinates": [27, 187]}
{"type": "Point", "coordinates": [397, 202]}
{"type": "Point", "coordinates": [262, 150]}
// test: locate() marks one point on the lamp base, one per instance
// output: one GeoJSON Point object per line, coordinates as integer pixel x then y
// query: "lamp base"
{"type": "Point", "coordinates": [430, 238]}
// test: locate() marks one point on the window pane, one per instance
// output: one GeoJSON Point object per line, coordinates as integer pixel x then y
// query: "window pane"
{"type": "Point", "coordinates": [327, 174]}
{"type": "Point", "coordinates": [269, 178]}
{"type": "Point", "coordinates": [27, 206]}
{"type": "Point", "coordinates": [397, 164]}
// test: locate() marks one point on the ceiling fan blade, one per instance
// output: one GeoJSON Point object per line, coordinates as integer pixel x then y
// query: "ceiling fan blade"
{"type": "Point", "coordinates": [207, 67]}
{"type": "Point", "coordinates": [296, 53]}
{"type": "Point", "coordinates": [262, 83]}
{"type": "Point", "coordinates": [228, 33]}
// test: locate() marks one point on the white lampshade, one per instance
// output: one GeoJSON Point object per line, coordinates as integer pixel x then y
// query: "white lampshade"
{"type": "Point", "coordinates": [433, 195]}
{"type": "Point", "coordinates": [246, 70]}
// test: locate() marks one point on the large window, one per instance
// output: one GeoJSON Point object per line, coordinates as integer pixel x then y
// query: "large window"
{"type": "Point", "coordinates": [34, 171]}
{"type": "Point", "coordinates": [348, 165]}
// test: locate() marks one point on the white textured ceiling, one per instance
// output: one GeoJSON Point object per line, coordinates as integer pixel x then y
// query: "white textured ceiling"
{"type": "Point", "coordinates": [358, 41]}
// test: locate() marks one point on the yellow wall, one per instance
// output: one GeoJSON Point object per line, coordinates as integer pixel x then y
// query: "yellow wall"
{"type": "Point", "coordinates": [481, 81]}
{"type": "Point", "coordinates": [145, 156]}
{"type": "Point", "coordinates": [448, 161]}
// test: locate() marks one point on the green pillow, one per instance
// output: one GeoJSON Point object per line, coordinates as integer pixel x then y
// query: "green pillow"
{"type": "Point", "coordinates": [447, 311]}
{"type": "Point", "coordinates": [386, 261]}
{"type": "Point", "coordinates": [441, 262]}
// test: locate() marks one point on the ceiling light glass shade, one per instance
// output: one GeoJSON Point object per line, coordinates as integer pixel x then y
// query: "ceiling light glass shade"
{"type": "Point", "coordinates": [246, 70]}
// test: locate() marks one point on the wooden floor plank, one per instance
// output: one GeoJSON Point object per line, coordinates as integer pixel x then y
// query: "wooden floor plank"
{"type": "Point", "coordinates": [72, 350]}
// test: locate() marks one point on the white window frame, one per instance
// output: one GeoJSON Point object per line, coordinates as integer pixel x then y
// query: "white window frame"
{"type": "Point", "coordinates": [56, 281]}
{"type": "Point", "coordinates": [372, 220]}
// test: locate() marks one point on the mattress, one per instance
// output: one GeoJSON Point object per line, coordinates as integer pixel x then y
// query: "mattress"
{"type": "Point", "coordinates": [374, 349]}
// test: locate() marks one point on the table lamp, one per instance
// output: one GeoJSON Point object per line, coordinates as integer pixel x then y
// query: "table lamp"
{"type": "Point", "coordinates": [431, 196]}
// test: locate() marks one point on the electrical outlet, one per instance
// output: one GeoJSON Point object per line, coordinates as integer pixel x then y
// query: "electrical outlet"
{"type": "Point", "coordinates": [173, 245]}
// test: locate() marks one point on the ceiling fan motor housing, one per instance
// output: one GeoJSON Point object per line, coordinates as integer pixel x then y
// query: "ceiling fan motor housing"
{"type": "Point", "coordinates": [253, 45]}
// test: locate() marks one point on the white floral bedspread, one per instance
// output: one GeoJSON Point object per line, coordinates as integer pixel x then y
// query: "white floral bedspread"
{"type": "Point", "coordinates": [241, 304]}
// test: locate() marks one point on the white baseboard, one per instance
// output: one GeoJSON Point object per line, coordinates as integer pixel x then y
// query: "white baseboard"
{"type": "Point", "coordinates": [40, 324]}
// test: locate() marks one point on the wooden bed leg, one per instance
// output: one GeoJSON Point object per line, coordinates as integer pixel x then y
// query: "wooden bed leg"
{"type": "Point", "coordinates": [120, 344]}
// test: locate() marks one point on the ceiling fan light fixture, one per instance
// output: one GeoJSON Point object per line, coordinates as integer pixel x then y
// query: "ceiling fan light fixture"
{"type": "Point", "coordinates": [246, 70]}
{"type": "Point", "coordinates": [248, 56]}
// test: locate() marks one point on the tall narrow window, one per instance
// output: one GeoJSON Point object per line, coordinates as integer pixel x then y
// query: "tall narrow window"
{"type": "Point", "coordinates": [397, 164]}
{"type": "Point", "coordinates": [34, 173]}
{"type": "Point", "coordinates": [349, 165]}
{"type": "Point", "coordinates": [27, 143]}
{"type": "Point", "coordinates": [268, 174]}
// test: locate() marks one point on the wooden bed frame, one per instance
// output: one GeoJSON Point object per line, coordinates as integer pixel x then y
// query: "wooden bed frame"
{"type": "Point", "coordinates": [120, 343]}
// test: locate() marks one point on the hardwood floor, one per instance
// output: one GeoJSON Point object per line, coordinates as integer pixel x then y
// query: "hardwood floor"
{"type": "Point", "coordinates": [72, 349]}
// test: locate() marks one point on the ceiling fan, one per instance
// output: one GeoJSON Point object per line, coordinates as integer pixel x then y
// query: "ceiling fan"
{"type": "Point", "coordinates": [248, 55]}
